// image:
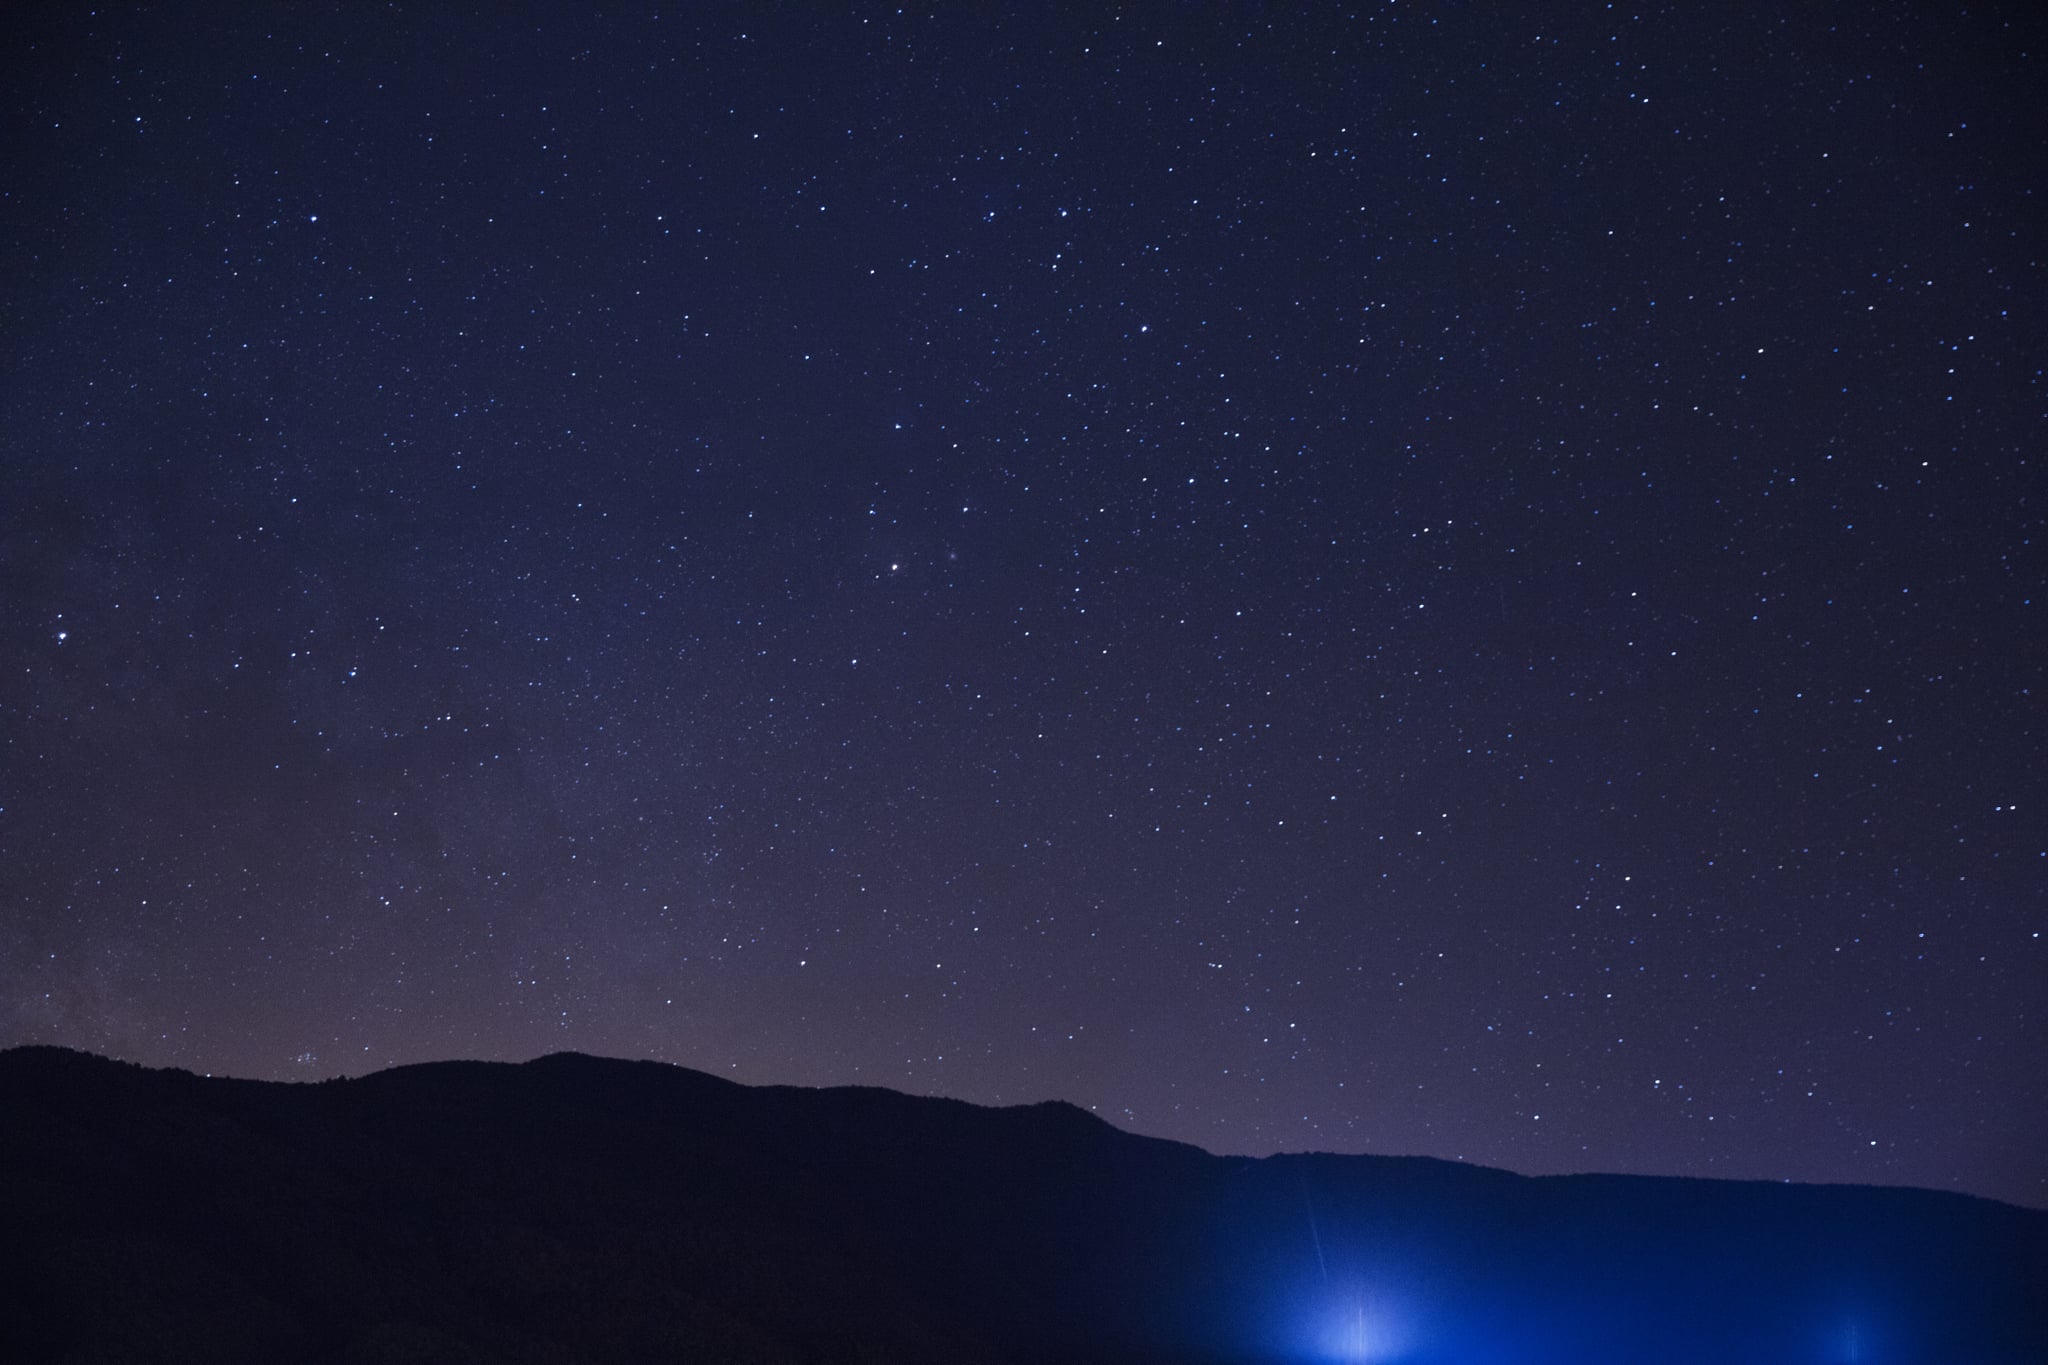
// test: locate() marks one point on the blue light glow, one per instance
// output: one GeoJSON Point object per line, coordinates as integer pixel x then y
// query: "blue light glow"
{"type": "Point", "coordinates": [1362, 1328]}
{"type": "Point", "coordinates": [1850, 1345]}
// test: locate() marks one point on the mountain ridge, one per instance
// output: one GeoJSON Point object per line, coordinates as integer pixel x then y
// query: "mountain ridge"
{"type": "Point", "coordinates": [578, 1207]}
{"type": "Point", "coordinates": [570, 1055]}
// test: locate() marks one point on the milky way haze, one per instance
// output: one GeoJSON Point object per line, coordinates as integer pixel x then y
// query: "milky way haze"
{"type": "Point", "coordinates": [1403, 579]}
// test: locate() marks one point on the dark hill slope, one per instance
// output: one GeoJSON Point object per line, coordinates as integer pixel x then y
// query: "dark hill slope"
{"type": "Point", "coordinates": [577, 1209]}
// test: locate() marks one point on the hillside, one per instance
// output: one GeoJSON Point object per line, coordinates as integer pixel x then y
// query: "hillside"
{"type": "Point", "coordinates": [580, 1209]}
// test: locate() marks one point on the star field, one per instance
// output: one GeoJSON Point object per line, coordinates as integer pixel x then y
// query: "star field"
{"type": "Point", "coordinates": [1403, 579]}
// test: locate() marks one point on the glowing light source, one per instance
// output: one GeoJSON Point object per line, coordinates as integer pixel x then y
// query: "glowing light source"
{"type": "Point", "coordinates": [1361, 1328]}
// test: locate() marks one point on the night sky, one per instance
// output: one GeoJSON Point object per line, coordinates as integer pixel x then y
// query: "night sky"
{"type": "Point", "coordinates": [1390, 579]}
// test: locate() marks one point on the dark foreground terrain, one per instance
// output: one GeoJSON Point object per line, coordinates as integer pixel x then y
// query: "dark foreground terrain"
{"type": "Point", "coordinates": [575, 1209]}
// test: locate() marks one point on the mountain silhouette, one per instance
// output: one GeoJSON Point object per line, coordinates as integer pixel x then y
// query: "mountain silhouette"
{"type": "Point", "coordinates": [577, 1209]}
